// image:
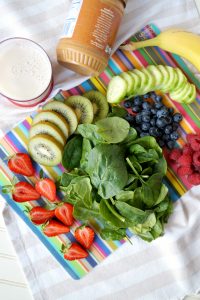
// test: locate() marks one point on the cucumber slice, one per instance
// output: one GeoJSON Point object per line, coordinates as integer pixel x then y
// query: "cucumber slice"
{"type": "Point", "coordinates": [130, 82]}
{"type": "Point", "coordinates": [181, 79]}
{"type": "Point", "coordinates": [54, 118]}
{"type": "Point", "coordinates": [143, 82]}
{"type": "Point", "coordinates": [137, 82]}
{"type": "Point", "coordinates": [48, 128]}
{"type": "Point", "coordinates": [171, 80]}
{"type": "Point", "coordinates": [181, 93]}
{"type": "Point", "coordinates": [64, 110]}
{"type": "Point", "coordinates": [117, 90]}
{"type": "Point", "coordinates": [158, 76]}
{"type": "Point", "coordinates": [151, 80]}
{"type": "Point", "coordinates": [45, 150]}
{"type": "Point", "coordinates": [165, 75]}
{"type": "Point", "coordinates": [192, 96]}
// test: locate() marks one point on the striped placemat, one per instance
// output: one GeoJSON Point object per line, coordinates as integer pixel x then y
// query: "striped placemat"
{"type": "Point", "coordinates": [16, 141]}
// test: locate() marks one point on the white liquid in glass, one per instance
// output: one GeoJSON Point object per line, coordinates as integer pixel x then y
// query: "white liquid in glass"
{"type": "Point", "coordinates": [25, 69]}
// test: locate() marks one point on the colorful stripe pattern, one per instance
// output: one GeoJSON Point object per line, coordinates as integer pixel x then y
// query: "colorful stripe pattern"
{"type": "Point", "coordinates": [16, 141]}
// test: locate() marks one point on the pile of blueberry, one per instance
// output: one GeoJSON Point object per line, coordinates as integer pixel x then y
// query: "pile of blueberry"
{"type": "Point", "coordinates": [153, 118]}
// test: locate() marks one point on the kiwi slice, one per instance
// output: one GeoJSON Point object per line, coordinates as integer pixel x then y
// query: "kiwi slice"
{"type": "Point", "coordinates": [45, 150]}
{"type": "Point", "coordinates": [54, 118]}
{"type": "Point", "coordinates": [82, 107]}
{"type": "Point", "coordinates": [65, 111]}
{"type": "Point", "coordinates": [48, 128]}
{"type": "Point", "coordinates": [99, 103]}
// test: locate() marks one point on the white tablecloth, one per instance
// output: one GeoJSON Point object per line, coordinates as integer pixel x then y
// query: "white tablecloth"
{"type": "Point", "coordinates": [169, 268]}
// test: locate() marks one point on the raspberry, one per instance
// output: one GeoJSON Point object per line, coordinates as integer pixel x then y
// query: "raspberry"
{"type": "Point", "coordinates": [185, 170]}
{"type": "Point", "coordinates": [185, 160]}
{"type": "Point", "coordinates": [175, 154]}
{"type": "Point", "coordinates": [196, 159]}
{"type": "Point", "coordinates": [194, 141]}
{"type": "Point", "coordinates": [194, 178]}
{"type": "Point", "coordinates": [187, 149]}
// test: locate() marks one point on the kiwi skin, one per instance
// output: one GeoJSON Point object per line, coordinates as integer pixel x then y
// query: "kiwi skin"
{"type": "Point", "coordinates": [51, 143]}
{"type": "Point", "coordinates": [99, 103]}
{"type": "Point", "coordinates": [82, 107]}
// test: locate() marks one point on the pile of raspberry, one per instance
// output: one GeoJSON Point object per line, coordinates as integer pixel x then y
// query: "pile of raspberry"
{"type": "Point", "coordinates": [188, 159]}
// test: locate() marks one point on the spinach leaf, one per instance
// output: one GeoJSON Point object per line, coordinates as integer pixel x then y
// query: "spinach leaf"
{"type": "Point", "coordinates": [107, 170]}
{"type": "Point", "coordinates": [72, 153]}
{"type": "Point", "coordinates": [149, 142]}
{"type": "Point", "coordinates": [118, 111]}
{"type": "Point", "coordinates": [86, 148]}
{"type": "Point", "coordinates": [132, 214]}
{"type": "Point", "coordinates": [149, 155]}
{"type": "Point", "coordinates": [136, 149]}
{"type": "Point", "coordinates": [135, 163]}
{"type": "Point", "coordinates": [107, 234]}
{"type": "Point", "coordinates": [151, 189]}
{"type": "Point", "coordinates": [162, 195]}
{"type": "Point", "coordinates": [132, 135]}
{"type": "Point", "coordinates": [124, 196]}
{"type": "Point", "coordinates": [109, 213]}
{"type": "Point", "coordinates": [89, 131]}
{"type": "Point", "coordinates": [157, 230]}
{"type": "Point", "coordinates": [161, 166]}
{"type": "Point", "coordinates": [113, 130]}
{"type": "Point", "coordinates": [66, 179]}
{"type": "Point", "coordinates": [83, 213]}
{"type": "Point", "coordinates": [147, 171]}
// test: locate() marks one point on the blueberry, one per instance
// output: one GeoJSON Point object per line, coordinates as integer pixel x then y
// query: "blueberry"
{"type": "Point", "coordinates": [154, 111]}
{"type": "Point", "coordinates": [170, 110]}
{"type": "Point", "coordinates": [128, 103]}
{"type": "Point", "coordinates": [146, 96]}
{"type": "Point", "coordinates": [136, 108]}
{"type": "Point", "coordinates": [158, 98]}
{"type": "Point", "coordinates": [161, 143]}
{"type": "Point", "coordinates": [168, 129]}
{"type": "Point", "coordinates": [174, 135]}
{"type": "Point", "coordinates": [153, 121]}
{"type": "Point", "coordinates": [137, 101]}
{"type": "Point", "coordinates": [144, 134]}
{"type": "Point", "coordinates": [171, 144]}
{"type": "Point", "coordinates": [177, 117]}
{"type": "Point", "coordinates": [130, 118]}
{"type": "Point", "coordinates": [153, 95]}
{"type": "Point", "coordinates": [158, 105]}
{"type": "Point", "coordinates": [166, 137]}
{"type": "Point", "coordinates": [163, 112]}
{"type": "Point", "coordinates": [146, 112]}
{"type": "Point", "coordinates": [168, 119]}
{"type": "Point", "coordinates": [145, 126]}
{"type": "Point", "coordinates": [154, 131]}
{"type": "Point", "coordinates": [146, 118]}
{"type": "Point", "coordinates": [138, 129]}
{"type": "Point", "coordinates": [138, 118]}
{"type": "Point", "coordinates": [161, 122]}
{"type": "Point", "coordinates": [146, 105]}
{"type": "Point", "coordinates": [175, 125]}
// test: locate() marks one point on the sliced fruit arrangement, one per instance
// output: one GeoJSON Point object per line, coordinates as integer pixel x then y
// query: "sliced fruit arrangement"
{"type": "Point", "coordinates": [58, 120]}
{"type": "Point", "coordinates": [149, 116]}
{"type": "Point", "coordinates": [187, 159]}
{"type": "Point", "coordinates": [139, 82]}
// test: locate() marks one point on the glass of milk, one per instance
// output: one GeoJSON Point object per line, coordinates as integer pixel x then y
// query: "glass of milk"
{"type": "Point", "coordinates": [26, 72]}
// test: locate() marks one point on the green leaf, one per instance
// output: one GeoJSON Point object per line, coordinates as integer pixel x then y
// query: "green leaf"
{"type": "Point", "coordinates": [162, 195]}
{"type": "Point", "coordinates": [161, 166]}
{"type": "Point", "coordinates": [135, 163]}
{"type": "Point", "coordinates": [132, 214]}
{"type": "Point", "coordinates": [83, 213]}
{"type": "Point", "coordinates": [118, 234]}
{"type": "Point", "coordinates": [147, 171]}
{"type": "Point", "coordinates": [66, 179]}
{"type": "Point", "coordinates": [125, 196]}
{"type": "Point", "coordinates": [157, 230]}
{"type": "Point", "coordinates": [132, 135]}
{"type": "Point", "coordinates": [72, 153]}
{"type": "Point", "coordinates": [113, 130]}
{"type": "Point", "coordinates": [149, 155]}
{"type": "Point", "coordinates": [89, 131]}
{"type": "Point", "coordinates": [118, 111]}
{"type": "Point", "coordinates": [107, 170]}
{"type": "Point", "coordinates": [86, 148]}
{"type": "Point", "coordinates": [137, 149]}
{"type": "Point", "coordinates": [149, 142]}
{"type": "Point", "coordinates": [151, 189]}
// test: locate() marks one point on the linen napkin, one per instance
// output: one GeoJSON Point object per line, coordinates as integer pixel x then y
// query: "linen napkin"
{"type": "Point", "coordinates": [169, 268]}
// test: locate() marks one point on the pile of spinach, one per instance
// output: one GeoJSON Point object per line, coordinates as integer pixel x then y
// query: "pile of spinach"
{"type": "Point", "coordinates": [115, 179]}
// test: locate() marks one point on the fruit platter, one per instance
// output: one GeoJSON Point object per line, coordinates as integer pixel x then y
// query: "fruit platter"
{"type": "Point", "coordinates": [105, 161]}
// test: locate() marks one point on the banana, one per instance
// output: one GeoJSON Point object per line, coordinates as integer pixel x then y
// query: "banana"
{"type": "Point", "coordinates": [178, 41]}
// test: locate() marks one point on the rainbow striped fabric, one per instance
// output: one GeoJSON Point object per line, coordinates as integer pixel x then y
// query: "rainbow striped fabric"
{"type": "Point", "coordinates": [16, 141]}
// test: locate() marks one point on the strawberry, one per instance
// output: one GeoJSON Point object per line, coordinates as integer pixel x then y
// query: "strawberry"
{"type": "Point", "coordinates": [47, 188]}
{"type": "Point", "coordinates": [53, 228]}
{"type": "Point", "coordinates": [74, 251]}
{"type": "Point", "coordinates": [40, 215]}
{"type": "Point", "coordinates": [64, 213]}
{"type": "Point", "coordinates": [21, 192]}
{"type": "Point", "coordinates": [175, 154]}
{"type": "Point", "coordinates": [21, 163]}
{"type": "Point", "coordinates": [85, 236]}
